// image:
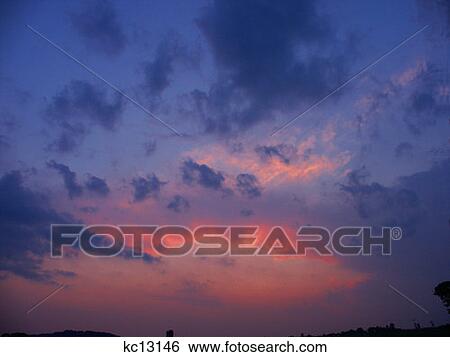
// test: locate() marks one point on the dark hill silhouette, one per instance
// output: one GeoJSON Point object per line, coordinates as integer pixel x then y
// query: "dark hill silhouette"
{"type": "Point", "coordinates": [65, 333]}
{"type": "Point", "coordinates": [388, 331]}
{"type": "Point", "coordinates": [392, 331]}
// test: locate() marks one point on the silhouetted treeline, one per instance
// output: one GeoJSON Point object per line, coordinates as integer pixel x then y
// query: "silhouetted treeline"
{"type": "Point", "coordinates": [65, 333]}
{"type": "Point", "coordinates": [387, 331]}
{"type": "Point", "coordinates": [392, 331]}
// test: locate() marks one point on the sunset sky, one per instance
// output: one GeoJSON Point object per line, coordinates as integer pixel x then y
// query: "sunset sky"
{"type": "Point", "coordinates": [222, 77]}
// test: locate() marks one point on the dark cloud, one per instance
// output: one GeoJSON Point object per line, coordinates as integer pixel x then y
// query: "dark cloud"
{"type": "Point", "coordinates": [69, 177]}
{"type": "Point", "coordinates": [392, 206]}
{"type": "Point", "coordinates": [422, 102]}
{"type": "Point", "coordinates": [179, 204]}
{"type": "Point", "coordinates": [248, 185]}
{"type": "Point", "coordinates": [439, 153]}
{"type": "Point", "coordinates": [425, 183]}
{"type": "Point", "coordinates": [403, 150]}
{"type": "Point", "coordinates": [97, 185]}
{"type": "Point", "coordinates": [25, 219]}
{"type": "Point", "coordinates": [65, 143]}
{"type": "Point", "coordinates": [245, 212]}
{"type": "Point", "coordinates": [300, 202]}
{"type": "Point", "coordinates": [420, 113]}
{"type": "Point", "coordinates": [283, 152]}
{"type": "Point", "coordinates": [158, 72]}
{"type": "Point", "coordinates": [145, 187]}
{"type": "Point", "coordinates": [236, 148]}
{"type": "Point", "coordinates": [387, 95]}
{"type": "Point", "coordinates": [82, 99]}
{"type": "Point", "coordinates": [79, 106]}
{"type": "Point", "coordinates": [98, 26]}
{"type": "Point", "coordinates": [424, 111]}
{"type": "Point", "coordinates": [417, 203]}
{"type": "Point", "coordinates": [268, 60]}
{"type": "Point", "coordinates": [202, 175]}
{"type": "Point", "coordinates": [93, 184]}
{"type": "Point", "coordinates": [409, 200]}
{"type": "Point", "coordinates": [150, 147]}
{"type": "Point", "coordinates": [427, 104]}
{"type": "Point", "coordinates": [436, 13]}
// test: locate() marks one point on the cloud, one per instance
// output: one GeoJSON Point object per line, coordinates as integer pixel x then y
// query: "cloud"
{"type": "Point", "coordinates": [97, 185]}
{"type": "Point", "coordinates": [69, 177]}
{"type": "Point", "coordinates": [274, 172]}
{"type": "Point", "coordinates": [150, 147]}
{"type": "Point", "coordinates": [403, 149]}
{"type": "Point", "coordinates": [98, 26]}
{"type": "Point", "coordinates": [79, 106]}
{"type": "Point", "coordinates": [392, 206]}
{"type": "Point", "coordinates": [424, 183]}
{"type": "Point", "coordinates": [89, 209]}
{"type": "Point", "coordinates": [283, 152]}
{"type": "Point", "coordinates": [248, 185]}
{"type": "Point", "coordinates": [436, 13]}
{"type": "Point", "coordinates": [82, 99]}
{"type": "Point", "coordinates": [93, 184]}
{"type": "Point", "coordinates": [387, 99]}
{"type": "Point", "coordinates": [428, 103]}
{"type": "Point", "coordinates": [417, 93]}
{"type": "Point", "coordinates": [179, 204]}
{"type": "Point", "coordinates": [24, 222]}
{"type": "Point", "coordinates": [145, 187]}
{"type": "Point", "coordinates": [268, 60]}
{"type": "Point", "coordinates": [157, 72]}
{"type": "Point", "coordinates": [65, 142]}
{"type": "Point", "coordinates": [146, 258]}
{"type": "Point", "coordinates": [245, 212]}
{"type": "Point", "coordinates": [202, 175]}
{"type": "Point", "coordinates": [417, 203]}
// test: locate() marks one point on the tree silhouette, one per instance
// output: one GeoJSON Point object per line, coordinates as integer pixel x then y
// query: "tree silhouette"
{"type": "Point", "coordinates": [443, 291]}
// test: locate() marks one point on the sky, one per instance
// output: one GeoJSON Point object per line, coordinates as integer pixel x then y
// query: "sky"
{"type": "Point", "coordinates": [173, 112]}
